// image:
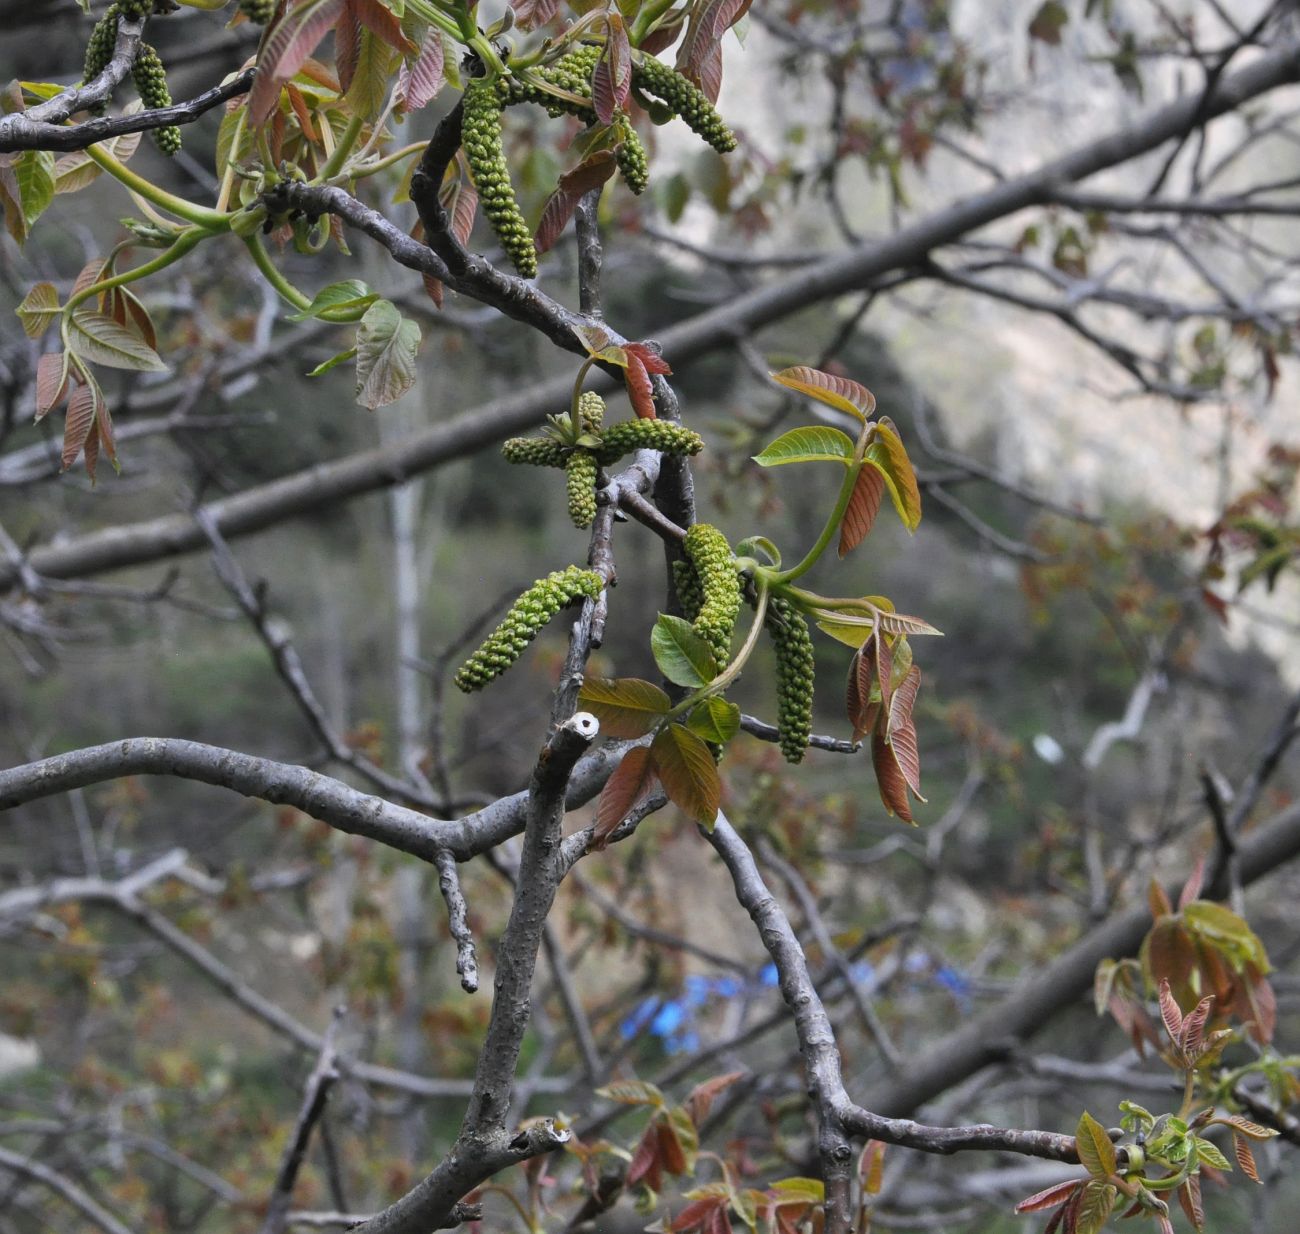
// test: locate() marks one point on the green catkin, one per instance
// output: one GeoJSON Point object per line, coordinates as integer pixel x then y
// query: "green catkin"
{"type": "Point", "coordinates": [151, 81]}
{"type": "Point", "coordinates": [99, 50]}
{"type": "Point", "coordinates": [690, 595]}
{"type": "Point", "coordinates": [708, 551]}
{"type": "Point", "coordinates": [134, 10]}
{"type": "Point", "coordinates": [685, 100]}
{"type": "Point", "coordinates": [633, 164]}
{"type": "Point", "coordinates": [259, 11]}
{"type": "Point", "coordinates": [571, 73]}
{"type": "Point", "coordinates": [628, 435]}
{"type": "Point", "coordinates": [795, 676]}
{"type": "Point", "coordinates": [526, 617]}
{"type": "Point", "coordinates": [537, 451]}
{"type": "Point", "coordinates": [591, 411]}
{"type": "Point", "coordinates": [481, 138]}
{"type": "Point", "coordinates": [580, 478]}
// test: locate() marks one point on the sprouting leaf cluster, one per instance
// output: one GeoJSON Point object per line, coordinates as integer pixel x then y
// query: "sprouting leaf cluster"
{"type": "Point", "coordinates": [322, 117]}
{"type": "Point", "coordinates": [714, 581]}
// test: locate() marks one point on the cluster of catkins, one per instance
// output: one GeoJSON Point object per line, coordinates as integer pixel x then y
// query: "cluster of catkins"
{"type": "Point", "coordinates": [522, 623]}
{"type": "Point", "coordinates": [708, 589]}
{"type": "Point", "coordinates": [148, 73]}
{"type": "Point", "coordinates": [571, 75]}
{"type": "Point", "coordinates": [593, 445]}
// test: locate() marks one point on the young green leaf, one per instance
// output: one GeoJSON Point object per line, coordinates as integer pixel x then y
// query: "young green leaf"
{"type": "Point", "coordinates": [1095, 1206]}
{"type": "Point", "coordinates": [100, 340]}
{"type": "Point", "coordinates": [387, 344]}
{"type": "Point", "coordinates": [1096, 1152]}
{"type": "Point", "coordinates": [681, 654]}
{"type": "Point", "coordinates": [349, 294]}
{"type": "Point", "coordinates": [715, 720]}
{"type": "Point", "coordinates": [632, 1092]}
{"type": "Point", "coordinates": [39, 309]}
{"type": "Point", "coordinates": [333, 362]}
{"type": "Point", "coordinates": [813, 444]}
{"type": "Point", "coordinates": [626, 708]}
{"type": "Point", "coordinates": [688, 773]}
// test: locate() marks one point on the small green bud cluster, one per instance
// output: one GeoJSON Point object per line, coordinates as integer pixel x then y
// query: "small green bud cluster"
{"type": "Point", "coordinates": [537, 451]}
{"type": "Point", "coordinates": [151, 81]}
{"type": "Point", "coordinates": [572, 74]}
{"type": "Point", "coordinates": [591, 411]}
{"type": "Point", "coordinates": [633, 163]}
{"type": "Point", "coordinates": [134, 10]}
{"type": "Point", "coordinates": [684, 99]}
{"type": "Point", "coordinates": [481, 138]}
{"type": "Point", "coordinates": [795, 676]}
{"type": "Point", "coordinates": [526, 617]}
{"type": "Point", "coordinates": [690, 595]}
{"type": "Point", "coordinates": [259, 11]}
{"type": "Point", "coordinates": [715, 565]}
{"type": "Point", "coordinates": [580, 478]}
{"type": "Point", "coordinates": [663, 435]}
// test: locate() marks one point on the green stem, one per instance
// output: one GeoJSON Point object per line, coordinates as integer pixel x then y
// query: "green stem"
{"type": "Point", "coordinates": [389, 159]}
{"type": "Point", "coordinates": [832, 526]}
{"type": "Point", "coordinates": [334, 164]}
{"type": "Point", "coordinates": [729, 674]}
{"type": "Point", "coordinates": [213, 221]}
{"type": "Point", "coordinates": [646, 19]}
{"type": "Point", "coordinates": [577, 390]}
{"type": "Point", "coordinates": [182, 245]}
{"type": "Point", "coordinates": [287, 291]}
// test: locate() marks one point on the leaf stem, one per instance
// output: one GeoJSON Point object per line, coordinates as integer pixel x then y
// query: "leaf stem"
{"type": "Point", "coordinates": [182, 245]}
{"type": "Point", "coordinates": [729, 674]}
{"type": "Point", "coordinates": [339, 155]}
{"type": "Point", "coordinates": [213, 221]}
{"type": "Point", "coordinates": [832, 525]}
{"type": "Point", "coordinates": [287, 291]}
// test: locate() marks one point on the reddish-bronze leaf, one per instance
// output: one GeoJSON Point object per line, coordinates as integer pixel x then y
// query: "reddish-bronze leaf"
{"type": "Point", "coordinates": [1254, 1130]}
{"type": "Point", "coordinates": [1158, 900]}
{"type": "Point", "coordinates": [611, 83]}
{"type": "Point", "coordinates": [890, 779]}
{"type": "Point", "coordinates": [1049, 1197]}
{"type": "Point", "coordinates": [884, 668]}
{"type": "Point", "coordinates": [700, 1100]}
{"type": "Point", "coordinates": [300, 109]}
{"type": "Point", "coordinates": [671, 1152]}
{"type": "Point", "coordinates": [591, 173]}
{"type": "Point", "coordinates": [633, 780]}
{"type": "Point", "coordinates": [347, 46]}
{"type": "Point", "coordinates": [90, 274]}
{"type": "Point", "coordinates": [640, 390]}
{"type": "Point", "coordinates": [286, 46]}
{"type": "Point", "coordinates": [644, 1166]}
{"type": "Point", "coordinates": [837, 392]}
{"type": "Point", "coordinates": [1245, 1158]}
{"type": "Point", "coordinates": [78, 423]}
{"type": "Point", "coordinates": [420, 80]}
{"type": "Point", "coordinates": [104, 429]}
{"type": "Point", "coordinates": [653, 361]}
{"type": "Point", "coordinates": [871, 1167]}
{"type": "Point", "coordinates": [382, 24]}
{"type": "Point", "coordinates": [903, 742]}
{"type": "Point", "coordinates": [1189, 1196]}
{"type": "Point", "coordinates": [1194, 1027]}
{"type": "Point", "coordinates": [90, 452]}
{"type": "Point", "coordinates": [864, 505]}
{"type": "Point", "coordinates": [460, 200]}
{"type": "Point", "coordinates": [51, 382]}
{"type": "Point", "coordinates": [529, 14]}
{"type": "Point", "coordinates": [855, 703]}
{"type": "Point", "coordinates": [1170, 954]}
{"type": "Point", "coordinates": [1170, 1012]}
{"type": "Point", "coordinates": [1192, 887]}
{"type": "Point", "coordinates": [700, 55]}
{"type": "Point", "coordinates": [904, 698]}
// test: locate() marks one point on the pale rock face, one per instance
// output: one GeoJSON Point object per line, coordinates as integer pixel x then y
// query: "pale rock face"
{"type": "Point", "coordinates": [17, 1054]}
